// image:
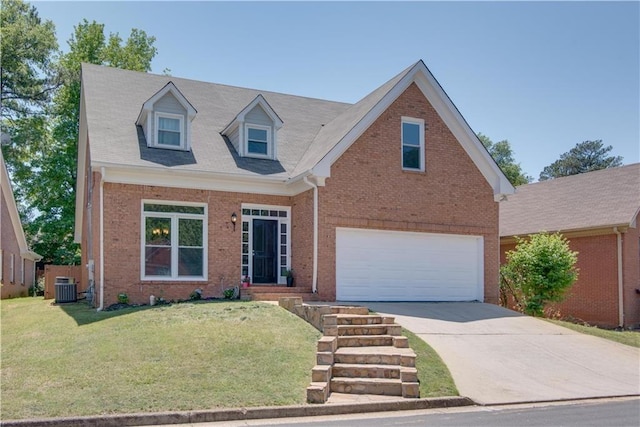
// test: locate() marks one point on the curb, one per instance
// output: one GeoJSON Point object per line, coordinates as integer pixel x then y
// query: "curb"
{"type": "Point", "coordinates": [235, 414]}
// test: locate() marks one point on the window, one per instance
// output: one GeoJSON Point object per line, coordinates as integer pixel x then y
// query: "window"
{"type": "Point", "coordinates": [12, 269]}
{"type": "Point", "coordinates": [175, 242]}
{"type": "Point", "coordinates": [258, 141]}
{"type": "Point", "coordinates": [22, 271]}
{"type": "Point", "coordinates": [412, 144]}
{"type": "Point", "coordinates": [1, 266]}
{"type": "Point", "coordinates": [169, 130]}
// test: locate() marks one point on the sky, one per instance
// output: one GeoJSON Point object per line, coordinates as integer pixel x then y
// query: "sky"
{"type": "Point", "coordinates": [543, 75]}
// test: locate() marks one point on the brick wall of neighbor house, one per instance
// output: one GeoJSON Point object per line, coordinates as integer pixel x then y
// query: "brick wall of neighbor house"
{"type": "Point", "coordinates": [369, 189]}
{"type": "Point", "coordinates": [594, 296]}
{"type": "Point", "coordinates": [631, 278]}
{"type": "Point", "coordinates": [12, 289]}
{"type": "Point", "coordinates": [122, 240]}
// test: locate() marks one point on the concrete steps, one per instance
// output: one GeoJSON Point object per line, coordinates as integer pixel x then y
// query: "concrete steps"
{"type": "Point", "coordinates": [362, 354]}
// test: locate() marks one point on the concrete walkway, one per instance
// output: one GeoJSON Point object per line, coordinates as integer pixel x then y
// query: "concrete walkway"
{"type": "Point", "coordinates": [498, 356]}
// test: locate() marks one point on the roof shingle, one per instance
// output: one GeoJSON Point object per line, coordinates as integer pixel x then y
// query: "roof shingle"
{"type": "Point", "coordinates": [604, 198]}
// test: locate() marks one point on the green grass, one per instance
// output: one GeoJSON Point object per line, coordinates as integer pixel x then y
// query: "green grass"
{"type": "Point", "coordinates": [70, 360]}
{"type": "Point", "coordinates": [435, 378]}
{"type": "Point", "coordinates": [631, 338]}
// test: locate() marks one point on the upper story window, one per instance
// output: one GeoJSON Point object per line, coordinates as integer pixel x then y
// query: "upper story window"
{"type": "Point", "coordinates": [169, 130]}
{"type": "Point", "coordinates": [258, 141]}
{"type": "Point", "coordinates": [166, 119]}
{"type": "Point", "coordinates": [412, 144]}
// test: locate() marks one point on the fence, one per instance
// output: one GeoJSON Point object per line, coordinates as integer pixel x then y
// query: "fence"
{"type": "Point", "coordinates": [53, 271]}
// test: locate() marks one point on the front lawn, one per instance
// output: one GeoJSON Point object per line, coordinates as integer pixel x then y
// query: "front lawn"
{"type": "Point", "coordinates": [69, 360]}
{"type": "Point", "coordinates": [631, 338]}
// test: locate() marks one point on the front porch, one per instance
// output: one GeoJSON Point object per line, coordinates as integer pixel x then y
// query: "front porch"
{"type": "Point", "coordinates": [273, 292]}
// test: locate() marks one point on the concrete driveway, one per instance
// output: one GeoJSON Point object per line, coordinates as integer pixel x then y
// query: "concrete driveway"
{"type": "Point", "coordinates": [497, 356]}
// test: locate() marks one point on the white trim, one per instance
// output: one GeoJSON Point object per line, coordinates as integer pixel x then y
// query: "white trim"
{"type": "Point", "coordinates": [103, 175]}
{"type": "Point", "coordinates": [202, 180]}
{"type": "Point", "coordinates": [157, 115]}
{"type": "Point", "coordinates": [421, 159]}
{"type": "Point", "coordinates": [269, 142]}
{"type": "Point", "coordinates": [282, 280]}
{"type": "Point", "coordinates": [174, 217]}
{"type": "Point", "coordinates": [1, 265]}
{"type": "Point", "coordinates": [22, 270]}
{"type": "Point", "coordinates": [314, 283]}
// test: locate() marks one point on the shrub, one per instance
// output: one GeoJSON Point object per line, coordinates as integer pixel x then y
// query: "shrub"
{"type": "Point", "coordinates": [38, 288]}
{"type": "Point", "coordinates": [539, 270]}
{"type": "Point", "coordinates": [123, 298]}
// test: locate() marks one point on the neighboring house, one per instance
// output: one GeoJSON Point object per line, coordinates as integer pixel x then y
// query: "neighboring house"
{"type": "Point", "coordinates": [17, 262]}
{"type": "Point", "coordinates": [598, 213]}
{"type": "Point", "coordinates": [391, 198]}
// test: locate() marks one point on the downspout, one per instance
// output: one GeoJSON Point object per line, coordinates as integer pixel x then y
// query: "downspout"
{"type": "Point", "coordinates": [620, 280]}
{"type": "Point", "coordinates": [314, 285]}
{"type": "Point", "coordinates": [102, 173]}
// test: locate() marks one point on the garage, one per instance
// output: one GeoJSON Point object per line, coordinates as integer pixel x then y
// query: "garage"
{"type": "Point", "coordinates": [381, 265]}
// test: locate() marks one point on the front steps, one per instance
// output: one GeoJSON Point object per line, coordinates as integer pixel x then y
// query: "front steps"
{"type": "Point", "coordinates": [274, 293]}
{"type": "Point", "coordinates": [362, 354]}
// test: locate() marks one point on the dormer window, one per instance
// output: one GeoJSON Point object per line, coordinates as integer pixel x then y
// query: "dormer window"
{"type": "Point", "coordinates": [169, 128]}
{"type": "Point", "coordinates": [258, 141]}
{"type": "Point", "coordinates": [166, 119]}
{"type": "Point", "coordinates": [254, 131]}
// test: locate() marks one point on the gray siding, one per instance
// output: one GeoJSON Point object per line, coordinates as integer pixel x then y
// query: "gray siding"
{"type": "Point", "coordinates": [258, 116]}
{"type": "Point", "coordinates": [167, 104]}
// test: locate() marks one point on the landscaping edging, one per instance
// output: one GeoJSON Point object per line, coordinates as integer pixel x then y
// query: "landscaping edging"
{"type": "Point", "coordinates": [236, 414]}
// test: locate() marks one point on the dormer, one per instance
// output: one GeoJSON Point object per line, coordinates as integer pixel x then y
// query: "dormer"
{"type": "Point", "coordinates": [253, 132]}
{"type": "Point", "coordinates": [166, 119]}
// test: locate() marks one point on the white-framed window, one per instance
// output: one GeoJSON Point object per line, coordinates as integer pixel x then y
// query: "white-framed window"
{"type": "Point", "coordinates": [21, 271]}
{"type": "Point", "coordinates": [412, 137]}
{"type": "Point", "coordinates": [170, 130]}
{"type": "Point", "coordinates": [258, 139]}
{"type": "Point", "coordinates": [174, 241]}
{"type": "Point", "coordinates": [12, 269]}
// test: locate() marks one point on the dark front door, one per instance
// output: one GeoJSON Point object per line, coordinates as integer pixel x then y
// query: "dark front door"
{"type": "Point", "coordinates": [265, 251]}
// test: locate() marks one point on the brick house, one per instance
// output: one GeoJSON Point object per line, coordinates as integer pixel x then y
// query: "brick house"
{"type": "Point", "coordinates": [17, 262]}
{"type": "Point", "coordinates": [598, 213]}
{"type": "Point", "coordinates": [185, 184]}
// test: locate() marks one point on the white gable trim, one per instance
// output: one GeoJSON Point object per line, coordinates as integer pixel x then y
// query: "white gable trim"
{"type": "Point", "coordinates": [258, 100]}
{"type": "Point", "coordinates": [432, 90]}
{"type": "Point", "coordinates": [169, 87]}
{"type": "Point", "coordinates": [7, 192]}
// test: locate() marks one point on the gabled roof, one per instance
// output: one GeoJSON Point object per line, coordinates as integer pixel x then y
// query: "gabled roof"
{"type": "Point", "coordinates": [7, 194]}
{"type": "Point", "coordinates": [604, 198]}
{"type": "Point", "coordinates": [170, 87]}
{"type": "Point", "coordinates": [259, 100]}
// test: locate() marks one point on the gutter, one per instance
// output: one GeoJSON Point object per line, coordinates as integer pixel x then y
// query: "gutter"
{"type": "Point", "coordinates": [314, 285]}
{"type": "Point", "coordinates": [102, 173]}
{"type": "Point", "coordinates": [620, 279]}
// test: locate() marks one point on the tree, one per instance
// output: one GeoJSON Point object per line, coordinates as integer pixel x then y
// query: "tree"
{"type": "Point", "coordinates": [503, 155]}
{"type": "Point", "coordinates": [538, 271]}
{"type": "Point", "coordinates": [48, 186]}
{"type": "Point", "coordinates": [586, 156]}
{"type": "Point", "coordinates": [27, 47]}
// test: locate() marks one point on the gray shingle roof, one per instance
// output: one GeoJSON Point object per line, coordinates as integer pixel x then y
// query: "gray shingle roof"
{"type": "Point", "coordinates": [114, 98]}
{"type": "Point", "coordinates": [609, 197]}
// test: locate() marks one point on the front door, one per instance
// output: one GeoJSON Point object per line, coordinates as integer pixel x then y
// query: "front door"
{"type": "Point", "coordinates": [265, 251]}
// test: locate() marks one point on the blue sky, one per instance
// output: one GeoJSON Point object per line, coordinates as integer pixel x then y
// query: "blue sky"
{"type": "Point", "coordinates": [543, 75]}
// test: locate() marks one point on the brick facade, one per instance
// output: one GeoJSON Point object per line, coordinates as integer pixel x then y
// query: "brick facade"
{"type": "Point", "coordinates": [594, 296]}
{"type": "Point", "coordinates": [367, 188]}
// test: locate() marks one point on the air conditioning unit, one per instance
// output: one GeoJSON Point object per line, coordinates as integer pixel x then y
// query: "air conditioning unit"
{"type": "Point", "coordinates": [65, 290]}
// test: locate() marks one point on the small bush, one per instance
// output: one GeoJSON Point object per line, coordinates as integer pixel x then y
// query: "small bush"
{"type": "Point", "coordinates": [38, 288]}
{"type": "Point", "coordinates": [538, 271]}
{"type": "Point", "coordinates": [196, 295]}
{"type": "Point", "coordinates": [228, 293]}
{"type": "Point", "coordinates": [123, 298]}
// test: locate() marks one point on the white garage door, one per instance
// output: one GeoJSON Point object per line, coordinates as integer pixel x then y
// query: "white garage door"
{"type": "Point", "coordinates": [378, 265]}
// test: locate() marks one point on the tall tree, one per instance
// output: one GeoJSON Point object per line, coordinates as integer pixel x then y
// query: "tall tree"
{"type": "Point", "coordinates": [50, 186]}
{"type": "Point", "coordinates": [27, 49]}
{"type": "Point", "coordinates": [586, 156]}
{"type": "Point", "coordinates": [28, 77]}
{"type": "Point", "coordinates": [503, 155]}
